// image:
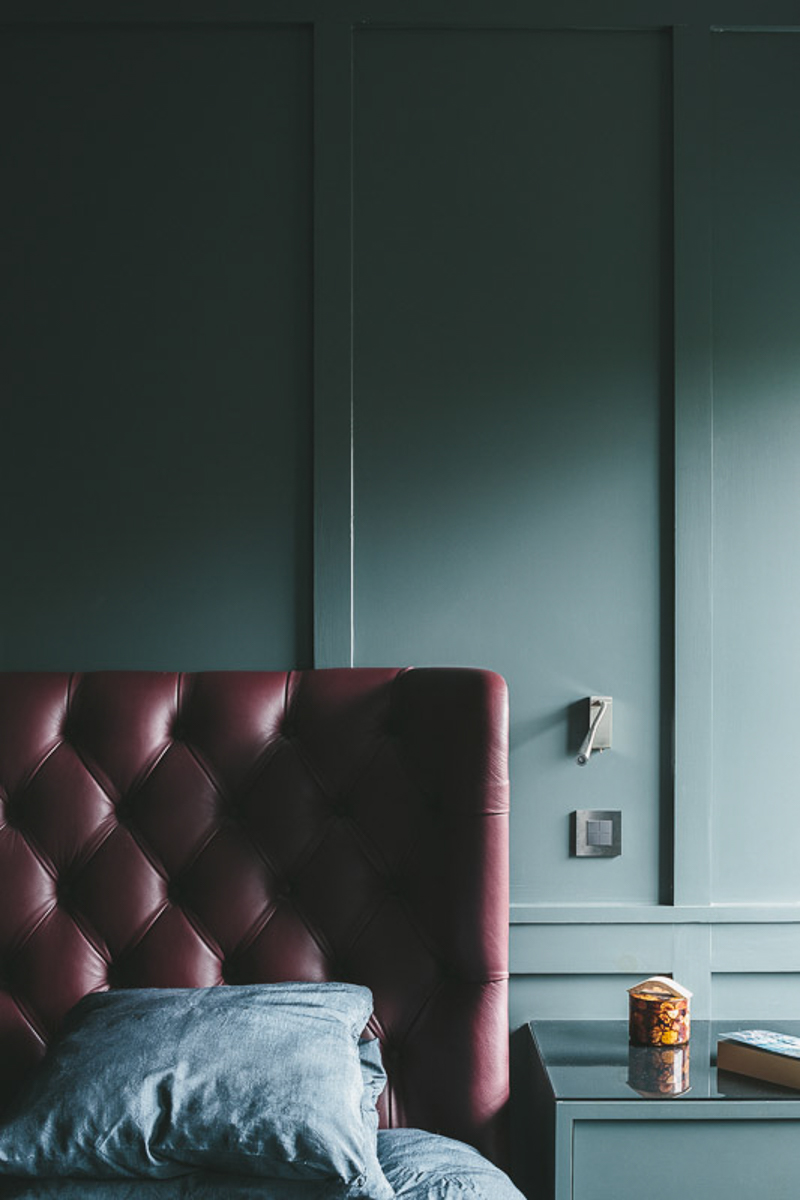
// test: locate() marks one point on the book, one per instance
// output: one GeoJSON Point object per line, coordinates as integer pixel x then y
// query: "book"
{"type": "Point", "coordinates": [761, 1054]}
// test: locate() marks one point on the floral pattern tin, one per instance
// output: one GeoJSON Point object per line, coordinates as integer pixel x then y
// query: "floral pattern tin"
{"type": "Point", "coordinates": [659, 1013]}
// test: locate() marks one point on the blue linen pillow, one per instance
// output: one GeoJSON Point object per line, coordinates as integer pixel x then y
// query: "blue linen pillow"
{"type": "Point", "coordinates": [262, 1079]}
{"type": "Point", "coordinates": [373, 1076]}
{"type": "Point", "coordinates": [426, 1166]}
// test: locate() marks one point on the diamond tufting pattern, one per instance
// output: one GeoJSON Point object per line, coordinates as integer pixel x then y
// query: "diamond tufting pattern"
{"type": "Point", "coordinates": [177, 830]}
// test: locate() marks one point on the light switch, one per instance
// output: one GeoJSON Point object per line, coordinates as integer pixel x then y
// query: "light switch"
{"type": "Point", "coordinates": [596, 833]}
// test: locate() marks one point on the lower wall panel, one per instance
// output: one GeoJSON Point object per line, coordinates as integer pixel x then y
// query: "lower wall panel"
{"type": "Point", "coordinates": [568, 997]}
{"type": "Point", "coordinates": [753, 948]}
{"type": "Point", "coordinates": [748, 970]}
{"type": "Point", "coordinates": [759, 995]}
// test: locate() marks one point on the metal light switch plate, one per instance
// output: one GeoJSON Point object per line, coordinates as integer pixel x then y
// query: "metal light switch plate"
{"type": "Point", "coordinates": [596, 833]}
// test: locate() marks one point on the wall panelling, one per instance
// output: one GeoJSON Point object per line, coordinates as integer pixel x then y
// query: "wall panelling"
{"type": "Point", "coordinates": [438, 333]}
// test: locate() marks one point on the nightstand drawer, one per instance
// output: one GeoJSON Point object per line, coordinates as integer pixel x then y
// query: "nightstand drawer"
{"type": "Point", "coordinates": [662, 1160]}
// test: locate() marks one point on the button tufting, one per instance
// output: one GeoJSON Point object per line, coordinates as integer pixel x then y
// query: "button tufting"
{"type": "Point", "coordinates": [232, 813]}
{"type": "Point", "coordinates": [114, 975]}
{"type": "Point", "coordinates": [123, 810]}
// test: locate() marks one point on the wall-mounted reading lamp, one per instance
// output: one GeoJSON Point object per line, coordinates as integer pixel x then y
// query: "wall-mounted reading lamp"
{"type": "Point", "coordinates": [599, 735]}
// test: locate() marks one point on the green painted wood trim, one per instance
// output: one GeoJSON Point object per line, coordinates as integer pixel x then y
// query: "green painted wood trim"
{"type": "Point", "coordinates": [691, 965]}
{"type": "Point", "coordinates": [644, 914]}
{"type": "Point", "coordinates": [760, 28]}
{"type": "Point", "coordinates": [525, 14]}
{"type": "Point", "coordinates": [637, 950]}
{"type": "Point", "coordinates": [570, 960]}
{"type": "Point", "coordinates": [333, 345]}
{"type": "Point", "coordinates": [694, 517]}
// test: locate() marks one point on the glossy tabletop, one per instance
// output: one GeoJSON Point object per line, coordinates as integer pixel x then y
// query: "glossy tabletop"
{"type": "Point", "coordinates": [592, 1060]}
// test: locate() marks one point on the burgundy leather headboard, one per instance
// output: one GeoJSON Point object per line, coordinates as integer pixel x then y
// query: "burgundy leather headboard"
{"type": "Point", "coordinates": [187, 830]}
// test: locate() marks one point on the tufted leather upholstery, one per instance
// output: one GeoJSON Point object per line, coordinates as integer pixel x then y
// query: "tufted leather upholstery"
{"type": "Point", "coordinates": [188, 830]}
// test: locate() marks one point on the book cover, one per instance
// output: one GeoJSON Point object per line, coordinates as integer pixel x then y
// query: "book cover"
{"type": "Point", "coordinates": [761, 1054]}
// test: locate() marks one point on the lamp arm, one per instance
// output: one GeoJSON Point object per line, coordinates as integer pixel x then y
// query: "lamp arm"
{"type": "Point", "coordinates": [584, 754]}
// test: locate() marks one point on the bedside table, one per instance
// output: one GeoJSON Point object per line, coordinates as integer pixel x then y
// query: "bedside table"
{"type": "Point", "coordinates": [593, 1135]}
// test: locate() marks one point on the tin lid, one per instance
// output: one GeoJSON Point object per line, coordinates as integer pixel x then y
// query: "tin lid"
{"type": "Point", "coordinates": [659, 986]}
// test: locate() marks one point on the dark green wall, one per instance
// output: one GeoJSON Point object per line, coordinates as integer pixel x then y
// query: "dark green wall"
{"type": "Point", "coordinates": [156, 230]}
{"type": "Point", "coordinates": [757, 454]}
{"type": "Point", "coordinates": [512, 384]}
{"type": "Point", "coordinates": [426, 332]}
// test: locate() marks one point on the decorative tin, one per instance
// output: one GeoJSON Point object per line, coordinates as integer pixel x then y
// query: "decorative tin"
{"type": "Point", "coordinates": [658, 1071]}
{"type": "Point", "coordinates": [659, 1013]}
